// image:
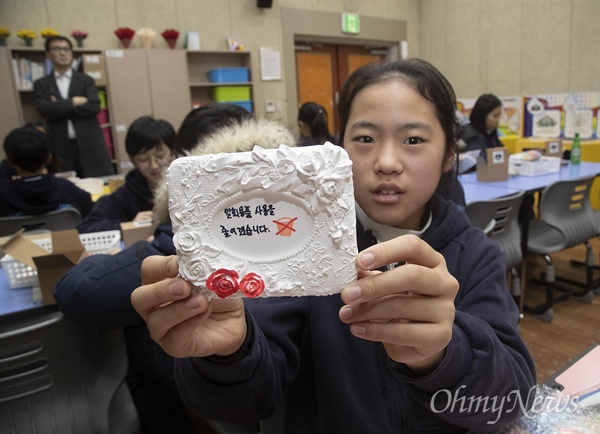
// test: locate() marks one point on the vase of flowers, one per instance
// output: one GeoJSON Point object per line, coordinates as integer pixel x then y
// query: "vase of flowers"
{"type": "Point", "coordinates": [79, 36]}
{"type": "Point", "coordinates": [27, 35]}
{"type": "Point", "coordinates": [170, 36]}
{"type": "Point", "coordinates": [125, 34]}
{"type": "Point", "coordinates": [147, 36]}
{"type": "Point", "coordinates": [48, 32]}
{"type": "Point", "coordinates": [4, 34]}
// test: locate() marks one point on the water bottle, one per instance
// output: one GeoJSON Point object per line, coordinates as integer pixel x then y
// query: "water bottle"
{"type": "Point", "coordinates": [576, 151]}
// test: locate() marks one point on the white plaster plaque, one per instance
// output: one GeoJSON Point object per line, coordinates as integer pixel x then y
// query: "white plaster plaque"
{"type": "Point", "coordinates": [270, 222]}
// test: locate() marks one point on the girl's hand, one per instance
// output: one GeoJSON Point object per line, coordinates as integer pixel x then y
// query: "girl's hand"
{"type": "Point", "coordinates": [183, 323]}
{"type": "Point", "coordinates": [410, 309]}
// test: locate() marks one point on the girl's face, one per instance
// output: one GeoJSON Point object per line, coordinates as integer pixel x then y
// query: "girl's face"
{"type": "Point", "coordinates": [492, 120]}
{"type": "Point", "coordinates": [397, 147]}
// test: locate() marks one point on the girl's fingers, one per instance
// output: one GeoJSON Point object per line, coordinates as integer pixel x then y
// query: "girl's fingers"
{"type": "Point", "coordinates": [156, 268]}
{"type": "Point", "coordinates": [409, 248]}
{"type": "Point", "coordinates": [411, 277]}
{"type": "Point", "coordinates": [400, 307]}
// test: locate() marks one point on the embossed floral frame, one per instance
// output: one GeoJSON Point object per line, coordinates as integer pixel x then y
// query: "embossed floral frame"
{"type": "Point", "coordinates": [270, 222]}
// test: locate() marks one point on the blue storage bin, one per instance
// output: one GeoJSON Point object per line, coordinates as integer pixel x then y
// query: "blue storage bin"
{"type": "Point", "coordinates": [245, 104]}
{"type": "Point", "coordinates": [229, 75]}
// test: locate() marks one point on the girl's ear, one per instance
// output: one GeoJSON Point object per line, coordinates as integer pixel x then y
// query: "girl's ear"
{"type": "Point", "coordinates": [448, 163]}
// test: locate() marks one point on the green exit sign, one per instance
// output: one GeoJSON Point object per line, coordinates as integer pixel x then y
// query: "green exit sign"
{"type": "Point", "coordinates": [350, 23]}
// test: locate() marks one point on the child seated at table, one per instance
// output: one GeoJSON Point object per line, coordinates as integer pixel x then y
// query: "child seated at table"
{"type": "Point", "coordinates": [33, 190]}
{"type": "Point", "coordinates": [149, 144]}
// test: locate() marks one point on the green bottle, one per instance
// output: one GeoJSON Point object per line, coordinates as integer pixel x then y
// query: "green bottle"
{"type": "Point", "coordinates": [576, 151]}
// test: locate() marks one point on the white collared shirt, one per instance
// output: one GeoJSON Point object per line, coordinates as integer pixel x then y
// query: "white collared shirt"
{"type": "Point", "coordinates": [63, 81]}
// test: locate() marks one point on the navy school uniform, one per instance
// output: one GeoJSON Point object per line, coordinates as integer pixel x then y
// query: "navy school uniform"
{"type": "Point", "coordinates": [40, 194]}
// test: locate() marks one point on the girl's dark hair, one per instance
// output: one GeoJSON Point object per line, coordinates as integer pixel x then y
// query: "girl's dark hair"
{"type": "Point", "coordinates": [484, 104]}
{"type": "Point", "coordinates": [27, 148]}
{"type": "Point", "coordinates": [146, 133]}
{"type": "Point", "coordinates": [315, 116]}
{"type": "Point", "coordinates": [206, 120]}
{"type": "Point", "coordinates": [422, 76]}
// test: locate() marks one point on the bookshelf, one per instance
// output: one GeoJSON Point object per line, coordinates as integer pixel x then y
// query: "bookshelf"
{"type": "Point", "coordinates": [200, 62]}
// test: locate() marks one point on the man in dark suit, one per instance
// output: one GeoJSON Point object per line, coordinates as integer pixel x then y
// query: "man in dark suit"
{"type": "Point", "coordinates": [69, 101]}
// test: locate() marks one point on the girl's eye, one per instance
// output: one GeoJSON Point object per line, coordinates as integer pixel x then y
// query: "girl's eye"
{"type": "Point", "coordinates": [364, 139]}
{"type": "Point", "coordinates": [413, 141]}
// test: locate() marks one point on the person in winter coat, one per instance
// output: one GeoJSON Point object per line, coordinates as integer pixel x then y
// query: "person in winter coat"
{"type": "Point", "coordinates": [426, 338]}
{"type": "Point", "coordinates": [149, 143]}
{"type": "Point", "coordinates": [69, 102]}
{"type": "Point", "coordinates": [33, 190]}
{"type": "Point", "coordinates": [97, 292]}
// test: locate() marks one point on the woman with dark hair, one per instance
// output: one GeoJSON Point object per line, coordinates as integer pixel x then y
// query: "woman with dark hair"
{"type": "Point", "coordinates": [482, 132]}
{"type": "Point", "coordinates": [312, 122]}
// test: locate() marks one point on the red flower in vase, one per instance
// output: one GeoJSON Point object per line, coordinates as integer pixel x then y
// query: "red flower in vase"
{"type": "Point", "coordinates": [170, 36]}
{"type": "Point", "coordinates": [252, 285]}
{"type": "Point", "coordinates": [125, 34]}
{"type": "Point", "coordinates": [223, 282]}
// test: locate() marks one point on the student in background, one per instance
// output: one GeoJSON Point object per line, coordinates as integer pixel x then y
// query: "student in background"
{"type": "Point", "coordinates": [313, 126]}
{"type": "Point", "coordinates": [396, 351]}
{"type": "Point", "coordinates": [7, 171]}
{"type": "Point", "coordinates": [33, 190]}
{"type": "Point", "coordinates": [96, 293]}
{"type": "Point", "coordinates": [482, 131]}
{"type": "Point", "coordinates": [69, 102]}
{"type": "Point", "coordinates": [149, 143]}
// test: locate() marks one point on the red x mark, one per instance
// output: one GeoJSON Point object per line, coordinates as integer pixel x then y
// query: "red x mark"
{"type": "Point", "coordinates": [285, 226]}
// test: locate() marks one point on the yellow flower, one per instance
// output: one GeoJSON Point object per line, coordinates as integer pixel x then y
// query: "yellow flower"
{"type": "Point", "coordinates": [26, 34]}
{"type": "Point", "coordinates": [47, 32]}
{"type": "Point", "coordinates": [4, 31]}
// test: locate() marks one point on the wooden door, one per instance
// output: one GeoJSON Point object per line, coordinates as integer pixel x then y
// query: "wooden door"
{"type": "Point", "coordinates": [315, 72]}
{"type": "Point", "coordinates": [321, 71]}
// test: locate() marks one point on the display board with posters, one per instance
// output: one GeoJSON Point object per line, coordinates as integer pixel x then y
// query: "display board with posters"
{"type": "Point", "coordinates": [562, 115]}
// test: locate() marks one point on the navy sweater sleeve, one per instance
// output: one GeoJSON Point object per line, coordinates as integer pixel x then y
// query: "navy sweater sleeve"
{"type": "Point", "coordinates": [97, 291]}
{"type": "Point", "coordinates": [106, 215]}
{"type": "Point", "coordinates": [487, 369]}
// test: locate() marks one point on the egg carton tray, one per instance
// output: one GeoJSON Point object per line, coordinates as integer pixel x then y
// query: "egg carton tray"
{"type": "Point", "coordinates": [21, 275]}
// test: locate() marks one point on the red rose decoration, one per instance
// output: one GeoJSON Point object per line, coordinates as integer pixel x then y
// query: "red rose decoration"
{"type": "Point", "coordinates": [223, 282]}
{"type": "Point", "coordinates": [252, 285]}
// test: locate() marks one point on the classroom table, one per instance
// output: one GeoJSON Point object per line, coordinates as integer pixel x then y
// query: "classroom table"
{"type": "Point", "coordinates": [534, 183]}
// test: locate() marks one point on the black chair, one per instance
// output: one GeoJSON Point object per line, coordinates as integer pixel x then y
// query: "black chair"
{"type": "Point", "coordinates": [499, 219]}
{"type": "Point", "coordinates": [566, 219]}
{"type": "Point", "coordinates": [58, 377]}
{"type": "Point", "coordinates": [66, 218]}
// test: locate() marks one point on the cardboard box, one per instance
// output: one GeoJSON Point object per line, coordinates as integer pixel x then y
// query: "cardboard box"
{"type": "Point", "coordinates": [93, 65]}
{"type": "Point", "coordinates": [67, 250]}
{"type": "Point", "coordinates": [494, 166]}
{"type": "Point", "coordinates": [132, 232]}
{"type": "Point", "coordinates": [553, 148]}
